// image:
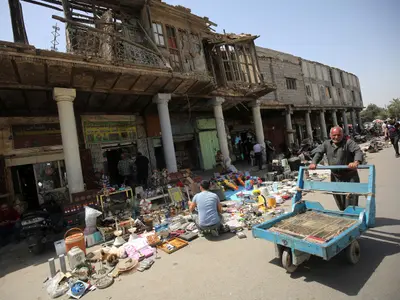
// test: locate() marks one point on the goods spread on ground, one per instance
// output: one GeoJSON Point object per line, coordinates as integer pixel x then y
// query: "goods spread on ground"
{"type": "Point", "coordinates": [129, 228]}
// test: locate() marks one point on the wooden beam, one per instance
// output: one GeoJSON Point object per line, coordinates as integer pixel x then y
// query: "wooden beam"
{"type": "Point", "coordinates": [17, 21]}
{"type": "Point", "coordinates": [43, 4]}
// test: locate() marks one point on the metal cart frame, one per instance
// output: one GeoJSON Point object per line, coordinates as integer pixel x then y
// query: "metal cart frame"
{"type": "Point", "coordinates": [293, 250]}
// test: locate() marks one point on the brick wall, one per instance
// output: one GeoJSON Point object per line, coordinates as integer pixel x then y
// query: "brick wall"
{"type": "Point", "coordinates": [312, 81]}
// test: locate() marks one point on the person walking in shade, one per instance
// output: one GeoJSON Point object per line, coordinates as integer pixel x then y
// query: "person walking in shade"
{"type": "Point", "coordinates": [340, 151]}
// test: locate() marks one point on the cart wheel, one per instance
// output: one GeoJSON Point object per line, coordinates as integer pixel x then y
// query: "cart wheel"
{"type": "Point", "coordinates": [287, 261]}
{"type": "Point", "coordinates": [353, 252]}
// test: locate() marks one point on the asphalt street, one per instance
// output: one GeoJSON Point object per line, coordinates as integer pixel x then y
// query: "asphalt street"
{"type": "Point", "coordinates": [245, 269]}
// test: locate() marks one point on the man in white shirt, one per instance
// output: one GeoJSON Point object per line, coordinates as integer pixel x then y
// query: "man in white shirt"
{"type": "Point", "coordinates": [258, 154]}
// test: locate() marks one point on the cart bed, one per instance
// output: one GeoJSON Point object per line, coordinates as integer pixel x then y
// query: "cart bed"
{"type": "Point", "coordinates": [313, 226]}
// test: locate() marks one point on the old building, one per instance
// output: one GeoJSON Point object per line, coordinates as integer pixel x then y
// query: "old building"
{"type": "Point", "coordinates": [310, 97]}
{"type": "Point", "coordinates": [137, 76]}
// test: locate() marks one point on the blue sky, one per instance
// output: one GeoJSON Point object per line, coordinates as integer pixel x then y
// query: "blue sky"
{"type": "Point", "coordinates": [359, 36]}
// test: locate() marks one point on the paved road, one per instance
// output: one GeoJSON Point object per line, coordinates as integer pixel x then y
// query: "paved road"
{"type": "Point", "coordinates": [235, 269]}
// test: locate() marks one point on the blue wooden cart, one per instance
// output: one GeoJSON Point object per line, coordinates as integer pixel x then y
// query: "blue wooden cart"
{"type": "Point", "coordinates": [311, 230]}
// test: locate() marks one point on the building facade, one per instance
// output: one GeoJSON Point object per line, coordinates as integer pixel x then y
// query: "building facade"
{"type": "Point", "coordinates": [310, 97]}
{"type": "Point", "coordinates": [137, 76]}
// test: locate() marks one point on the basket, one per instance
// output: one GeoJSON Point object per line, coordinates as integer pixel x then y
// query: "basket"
{"type": "Point", "coordinates": [75, 240]}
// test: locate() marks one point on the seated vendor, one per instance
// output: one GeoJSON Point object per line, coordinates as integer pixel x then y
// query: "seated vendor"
{"type": "Point", "coordinates": [208, 207]}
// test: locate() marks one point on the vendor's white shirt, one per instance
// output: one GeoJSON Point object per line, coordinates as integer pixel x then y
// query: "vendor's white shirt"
{"type": "Point", "coordinates": [257, 148]}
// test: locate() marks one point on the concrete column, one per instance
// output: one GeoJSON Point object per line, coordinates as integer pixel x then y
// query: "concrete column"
{"type": "Point", "coordinates": [324, 132]}
{"type": "Point", "coordinates": [166, 131]}
{"type": "Point", "coordinates": [334, 118]}
{"type": "Point", "coordinates": [308, 125]}
{"type": "Point", "coordinates": [219, 120]}
{"type": "Point", "coordinates": [258, 125]}
{"type": "Point", "coordinates": [359, 119]}
{"type": "Point", "coordinates": [69, 135]}
{"type": "Point", "coordinates": [289, 127]}
{"type": "Point", "coordinates": [354, 120]}
{"type": "Point", "coordinates": [345, 123]}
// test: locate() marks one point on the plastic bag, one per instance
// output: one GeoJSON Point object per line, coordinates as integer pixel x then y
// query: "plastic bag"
{"type": "Point", "coordinates": [56, 289]}
{"type": "Point", "coordinates": [91, 215]}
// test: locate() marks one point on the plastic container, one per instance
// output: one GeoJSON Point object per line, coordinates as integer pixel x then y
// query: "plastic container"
{"type": "Point", "coordinates": [271, 202]}
{"type": "Point", "coordinates": [75, 257]}
{"type": "Point", "coordinates": [75, 240]}
{"type": "Point", "coordinates": [60, 247]}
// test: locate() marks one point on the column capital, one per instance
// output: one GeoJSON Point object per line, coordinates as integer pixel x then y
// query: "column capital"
{"type": "Point", "coordinates": [217, 101]}
{"type": "Point", "coordinates": [322, 111]}
{"type": "Point", "coordinates": [161, 98]}
{"type": "Point", "coordinates": [308, 111]}
{"type": "Point", "coordinates": [334, 110]}
{"type": "Point", "coordinates": [255, 103]}
{"type": "Point", "coordinates": [63, 94]}
{"type": "Point", "coordinates": [289, 110]}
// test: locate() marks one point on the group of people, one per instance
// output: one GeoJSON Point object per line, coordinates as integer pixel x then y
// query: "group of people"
{"type": "Point", "coordinates": [206, 207]}
{"type": "Point", "coordinates": [391, 131]}
{"type": "Point", "coordinates": [134, 172]}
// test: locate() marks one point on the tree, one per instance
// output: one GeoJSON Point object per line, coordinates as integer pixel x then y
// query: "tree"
{"type": "Point", "coordinates": [394, 108]}
{"type": "Point", "coordinates": [372, 112]}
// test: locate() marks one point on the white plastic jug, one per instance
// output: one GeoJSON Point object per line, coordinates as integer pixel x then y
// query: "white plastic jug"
{"type": "Point", "coordinates": [75, 257]}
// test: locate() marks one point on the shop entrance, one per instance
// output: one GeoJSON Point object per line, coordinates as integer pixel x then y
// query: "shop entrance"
{"type": "Point", "coordinates": [160, 159]}
{"type": "Point", "coordinates": [25, 185]}
{"type": "Point", "coordinates": [113, 156]}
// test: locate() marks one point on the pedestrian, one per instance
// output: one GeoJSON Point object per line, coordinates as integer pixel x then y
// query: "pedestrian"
{"type": "Point", "coordinates": [340, 151]}
{"type": "Point", "coordinates": [394, 134]}
{"type": "Point", "coordinates": [125, 169]}
{"type": "Point", "coordinates": [257, 148]}
{"type": "Point", "coordinates": [270, 149]}
{"type": "Point", "coordinates": [219, 162]}
{"type": "Point", "coordinates": [142, 168]}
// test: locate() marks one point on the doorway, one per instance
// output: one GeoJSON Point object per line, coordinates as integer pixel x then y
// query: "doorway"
{"type": "Point", "coordinates": [160, 159]}
{"type": "Point", "coordinates": [25, 185]}
{"type": "Point", "coordinates": [113, 157]}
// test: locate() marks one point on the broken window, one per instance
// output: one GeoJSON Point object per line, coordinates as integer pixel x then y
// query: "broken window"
{"type": "Point", "coordinates": [171, 37]}
{"type": "Point", "coordinates": [174, 57]}
{"type": "Point", "coordinates": [175, 60]}
{"type": "Point", "coordinates": [308, 90]}
{"type": "Point", "coordinates": [291, 84]}
{"type": "Point", "coordinates": [328, 92]}
{"type": "Point", "coordinates": [158, 34]}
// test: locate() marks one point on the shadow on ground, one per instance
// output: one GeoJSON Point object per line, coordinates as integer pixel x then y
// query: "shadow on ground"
{"type": "Point", "coordinates": [221, 237]}
{"type": "Point", "coordinates": [339, 275]}
{"type": "Point", "coordinates": [381, 222]}
{"type": "Point", "coordinates": [14, 257]}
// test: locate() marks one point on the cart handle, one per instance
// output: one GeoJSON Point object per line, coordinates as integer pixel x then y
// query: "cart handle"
{"type": "Point", "coordinates": [360, 167]}
{"type": "Point", "coordinates": [342, 187]}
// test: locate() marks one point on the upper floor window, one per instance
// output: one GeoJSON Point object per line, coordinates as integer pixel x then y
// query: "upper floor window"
{"type": "Point", "coordinates": [171, 37]}
{"type": "Point", "coordinates": [158, 34]}
{"type": "Point", "coordinates": [291, 84]}
{"type": "Point", "coordinates": [308, 90]}
{"type": "Point", "coordinates": [328, 92]}
{"type": "Point", "coordinates": [230, 62]}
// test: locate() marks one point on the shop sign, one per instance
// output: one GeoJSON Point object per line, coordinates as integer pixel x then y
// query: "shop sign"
{"type": "Point", "coordinates": [109, 131]}
{"type": "Point", "coordinates": [36, 135]}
